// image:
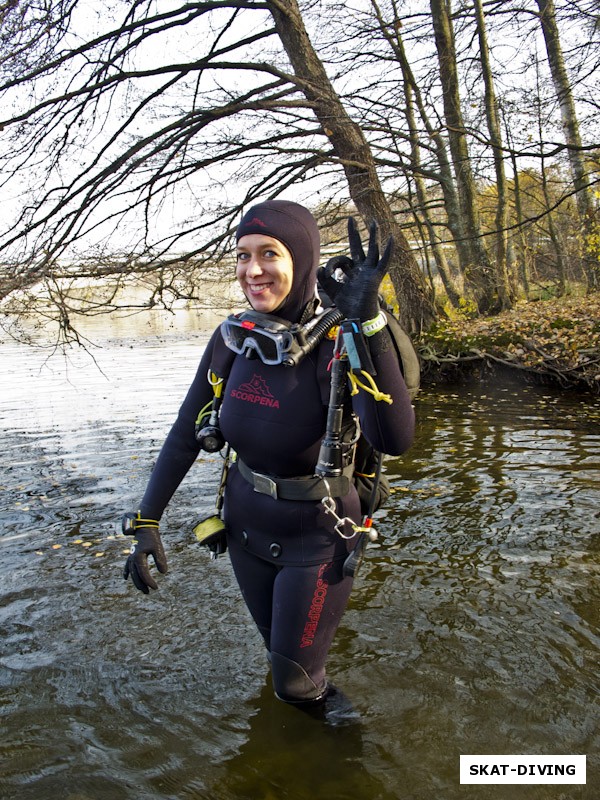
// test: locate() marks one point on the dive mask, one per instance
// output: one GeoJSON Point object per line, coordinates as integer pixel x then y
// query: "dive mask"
{"type": "Point", "coordinates": [270, 337]}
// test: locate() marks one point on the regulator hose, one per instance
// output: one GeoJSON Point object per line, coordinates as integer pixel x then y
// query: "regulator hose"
{"type": "Point", "coordinates": [316, 335]}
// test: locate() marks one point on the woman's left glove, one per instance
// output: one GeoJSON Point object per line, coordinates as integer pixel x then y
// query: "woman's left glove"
{"type": "Point", "coordinates": [146, 542]}
{"type": "Point", "coordinates": [357, 297]}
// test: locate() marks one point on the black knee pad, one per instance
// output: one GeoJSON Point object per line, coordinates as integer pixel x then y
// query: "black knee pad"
{"type": "Point", "coordinates": [292, 683]}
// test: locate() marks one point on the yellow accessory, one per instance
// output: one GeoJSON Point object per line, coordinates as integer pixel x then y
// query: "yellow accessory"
{"type": "Point", "coordinates": [131, 521]}
{"type": "Point", "coordinates": [373, 326]}
{"type": "Point", "coordinates": [207, 528]}
{"type": "Point", "coordinates": [216, 382]}
{"type": "Point", "coordinates": [356, 384]}
{"type": "Point", "coordinates": [139, 522]}
{"type": "Point", "coordinates": [217, 385]}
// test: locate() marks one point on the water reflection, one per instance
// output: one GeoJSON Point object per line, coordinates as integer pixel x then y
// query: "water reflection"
{"type": "Point", "coordinates": [473, 627]}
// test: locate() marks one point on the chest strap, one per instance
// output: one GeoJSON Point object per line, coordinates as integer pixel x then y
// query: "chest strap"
{"type": "Point", "coordinates": [307, 487]}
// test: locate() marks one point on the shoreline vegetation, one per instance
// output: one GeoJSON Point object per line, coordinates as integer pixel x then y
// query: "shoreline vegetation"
{"type": "Point", "coordinates": [553, 342]}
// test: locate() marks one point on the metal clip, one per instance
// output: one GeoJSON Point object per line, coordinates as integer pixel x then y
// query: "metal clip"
{"type": "Point", "coordinates": [341, 522]}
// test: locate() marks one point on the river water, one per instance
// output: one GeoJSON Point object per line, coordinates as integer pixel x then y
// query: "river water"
{"type": "Point", "coordinates": [473, 627]}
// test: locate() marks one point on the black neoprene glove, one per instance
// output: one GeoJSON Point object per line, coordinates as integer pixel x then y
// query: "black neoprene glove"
{"type": "Point", "coordinates": [146, 542]}
{"type": "Point", "coordinates": [357, 297]}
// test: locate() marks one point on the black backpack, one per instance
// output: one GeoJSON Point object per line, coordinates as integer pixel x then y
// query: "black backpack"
{"type": "Point", "coordinates": [372, 485]}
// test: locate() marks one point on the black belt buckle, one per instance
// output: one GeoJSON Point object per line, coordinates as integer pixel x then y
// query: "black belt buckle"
{"type": "Point", "coordinates": [264, 485]}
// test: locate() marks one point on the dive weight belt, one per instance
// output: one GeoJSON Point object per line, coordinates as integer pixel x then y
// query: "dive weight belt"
{"type": "Point", "coordinates": [307, 487]}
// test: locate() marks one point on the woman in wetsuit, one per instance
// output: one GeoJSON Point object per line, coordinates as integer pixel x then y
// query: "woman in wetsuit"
{"type": "Point", "coordinates": [286, 553]}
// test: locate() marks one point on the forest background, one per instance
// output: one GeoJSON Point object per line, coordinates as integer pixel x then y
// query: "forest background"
{"type": "Point", "coordinates": [135, 133]}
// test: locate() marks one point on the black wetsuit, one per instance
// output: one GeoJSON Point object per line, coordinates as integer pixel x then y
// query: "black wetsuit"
{"type": "Point", "coordinates": [286, 555]}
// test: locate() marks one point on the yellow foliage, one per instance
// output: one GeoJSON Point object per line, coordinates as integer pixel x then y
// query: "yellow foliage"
{"type": "Point", "coordinates": [388, 293]}
{"type": "Point", "coordinates": [592, 244]}
{"type": "Point", "coordinates": [467, 310]}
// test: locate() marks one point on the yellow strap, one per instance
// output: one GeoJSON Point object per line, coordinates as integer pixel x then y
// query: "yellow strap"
{"type": "Point", "coordinates": [138, 522]}
{"type": "Point", "coordinates": [216, 383]}
{"type": "Point", "coordinates": [372, 389]}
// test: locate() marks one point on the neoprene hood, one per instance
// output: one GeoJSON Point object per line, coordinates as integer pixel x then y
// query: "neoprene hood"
{"type": "Point", "coordinates": [296, 227]}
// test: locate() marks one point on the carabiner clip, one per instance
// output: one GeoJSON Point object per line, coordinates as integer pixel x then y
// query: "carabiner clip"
{"type": "Point", "coordinates": [341, 522]}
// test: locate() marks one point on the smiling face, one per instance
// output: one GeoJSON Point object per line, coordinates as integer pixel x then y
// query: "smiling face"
{"type": "Point", "coordinates": [265, 270]}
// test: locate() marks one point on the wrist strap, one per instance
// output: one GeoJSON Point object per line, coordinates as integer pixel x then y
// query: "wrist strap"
{"type": "Point", "coordinates": [132, 521]}
{"type": "Point", "coordinates": [138, 522]}
{"type": "Point", "coordinates": [374, 325]}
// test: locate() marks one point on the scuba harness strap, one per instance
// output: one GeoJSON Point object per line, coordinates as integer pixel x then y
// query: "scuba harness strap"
{"type": "Point", "coordinates": [330, 479]}
{"type": "Point", "coordinates": [305, 487]}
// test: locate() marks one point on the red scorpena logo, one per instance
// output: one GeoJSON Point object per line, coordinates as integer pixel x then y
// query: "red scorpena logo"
{"type": "Point", "coordinates": [255, 221]}
{"type": "Point", "coordinates": [255, 391]}
{"type": "Point", "coordinates": [316, 607]}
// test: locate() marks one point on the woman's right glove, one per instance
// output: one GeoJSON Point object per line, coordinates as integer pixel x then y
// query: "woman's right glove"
{"type": "Point", "coordinates": [146, 542]}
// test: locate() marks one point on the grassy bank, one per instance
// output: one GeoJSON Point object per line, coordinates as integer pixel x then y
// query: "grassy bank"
{"type": "Point", "coordinates": [555, 341]}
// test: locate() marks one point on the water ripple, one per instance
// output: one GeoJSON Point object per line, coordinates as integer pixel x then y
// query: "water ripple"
{"type": "Point", "coordinates": [474, 625]}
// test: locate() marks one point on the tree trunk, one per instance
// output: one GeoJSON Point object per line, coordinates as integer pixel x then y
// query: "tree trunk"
{"type": "Point", "coordinates": [518, 244]}
{"type": "Point", "coordinates": [480, 274]}
{"type": "Point", "coordinates": [523, 246]}
{"type": "Point", "coordinates": [446, 178]}
{"type": "Point", "coordinates": [350, 146]}
{"type": "Point", "coordinates": [493, 123]}
{"type": "Point", "coordinates": [549, 216]}
{"type": "Point", "coordinates": [570, 124]}
{"type": "Point", "coordinates": [437, 249]}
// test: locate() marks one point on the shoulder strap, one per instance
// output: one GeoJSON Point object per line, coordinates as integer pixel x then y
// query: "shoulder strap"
{"type": "Point", "coordinates": [222, 359]}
